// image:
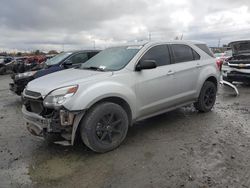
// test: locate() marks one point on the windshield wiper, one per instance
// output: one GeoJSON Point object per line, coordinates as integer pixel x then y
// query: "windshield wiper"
{"type": "Point", "coordinates": [94, 68]}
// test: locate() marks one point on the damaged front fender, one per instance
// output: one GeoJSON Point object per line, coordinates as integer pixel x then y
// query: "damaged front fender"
{"type": "Point", "coordinates": [76, 123]}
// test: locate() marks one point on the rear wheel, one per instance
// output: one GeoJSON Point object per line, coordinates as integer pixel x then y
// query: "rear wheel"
{"type": "Point", "coordinates": [207, 97]}
{"type": "Point", "coordinates": [104, 127]}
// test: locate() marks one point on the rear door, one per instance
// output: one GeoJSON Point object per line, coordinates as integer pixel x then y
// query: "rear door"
{"type": "Point", "coordinates": [186, 72]}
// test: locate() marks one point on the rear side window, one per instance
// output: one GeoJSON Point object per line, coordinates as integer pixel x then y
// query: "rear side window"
{"type": "Point", "coordinates": [183, 53]}
{"type": "Point", "coordinates": [196, 55]}
{"type": "Point", "coordinates": [204, 48]}
{"type": "Point", "coordinates": [158, 53]}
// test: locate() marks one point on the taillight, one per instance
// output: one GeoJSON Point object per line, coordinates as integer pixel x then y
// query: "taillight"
{"type": "Point", "coordinates": [219, 63]}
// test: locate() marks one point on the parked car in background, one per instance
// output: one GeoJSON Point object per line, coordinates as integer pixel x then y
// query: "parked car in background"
{"type": "Point", "coordinates": [6, 64]}
{"type": "Point", "coordinates": [60, 62]}
{"type": "Point", "coordinates": [29, 63]}
{"type": "Point", "coordinates": [117, 87]}
{"type": "Point", "coordinates": [237, 67]}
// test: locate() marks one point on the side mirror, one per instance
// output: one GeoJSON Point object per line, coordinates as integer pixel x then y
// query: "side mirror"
{"type": "Point", "coordinates": [145, 64]}
{"type": "Point", "coordinates": [67, 63]}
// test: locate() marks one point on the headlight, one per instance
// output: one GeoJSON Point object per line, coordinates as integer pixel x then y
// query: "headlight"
{"type": "Point", "coordinates": [26, 74]}
{"type": "Point", "coordinates": [59, 96]}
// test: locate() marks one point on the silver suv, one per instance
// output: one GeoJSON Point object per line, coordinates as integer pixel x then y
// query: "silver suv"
{"type": "Point", "coordinates": [117, 87]}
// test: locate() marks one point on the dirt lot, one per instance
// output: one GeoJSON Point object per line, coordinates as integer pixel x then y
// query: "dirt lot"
{"type": "Point", "coordinates": [182, 148]}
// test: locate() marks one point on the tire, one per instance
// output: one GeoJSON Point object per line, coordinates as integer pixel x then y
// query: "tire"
{"type": "Point", "coordinates": [2, 70]}
{"type": "Point", "coordinates": [104, 127]}
{"type": "Point", "coordinates": [207, 97]}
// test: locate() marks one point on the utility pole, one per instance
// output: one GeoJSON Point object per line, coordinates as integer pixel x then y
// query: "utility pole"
{"type": "Point", "coordinates": [94, 44]}
{"type": "Point", "coordinates": [149, 36]}
{"type": "Point", "coordinates": [181, 36]}
{"type": "Point", "coordinates": [219, 42]}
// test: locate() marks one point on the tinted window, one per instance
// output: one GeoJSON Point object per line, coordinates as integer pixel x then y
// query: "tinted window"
{"type": "Point", "coordinates": [158, 53]}
{"type": "Point", "coordinates": [92, 54]}
{"type": "Point", "coordinates": [204, 48]}
{"type": "Point", "coordinates": [79, 58]}
{"type": "Point", "coordinates": [196, 55]}
{"type": "Point", "coordinates": [182, 53]}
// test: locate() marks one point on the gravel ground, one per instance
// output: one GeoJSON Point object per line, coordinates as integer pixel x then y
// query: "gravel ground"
{"type": "Point", "coordinates": [182, 148]}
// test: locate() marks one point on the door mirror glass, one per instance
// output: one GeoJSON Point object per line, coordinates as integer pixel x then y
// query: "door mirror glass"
{"type": "Point", "coordinates": [146, 64]}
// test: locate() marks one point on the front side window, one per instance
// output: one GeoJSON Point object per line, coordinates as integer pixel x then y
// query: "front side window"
{"type": "Point", "coordinates": [79, 58]}
{"type": "Point", "coordinates": [111, 59]}
{"type": "Point", "coordinates": [184, 53]}
{"type": "Point", "coordinates": [159, 53]}
{"type": "Point", "coordinates": [58, 58]}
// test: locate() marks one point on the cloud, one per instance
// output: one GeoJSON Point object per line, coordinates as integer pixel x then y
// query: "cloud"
{"type": "Point", "coordinates": [58, 24]}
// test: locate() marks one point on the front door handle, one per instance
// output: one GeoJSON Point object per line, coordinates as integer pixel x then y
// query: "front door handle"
{"type": "Point", "coordinates": [198, 66]}
{"type": "Point", "coordinates": [170, 72]}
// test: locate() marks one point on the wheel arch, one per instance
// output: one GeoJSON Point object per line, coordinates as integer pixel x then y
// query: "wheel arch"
{"type": "Point", "coordinates": [212, 79]}
{"type": "Point", "coordinates": [117, 100]}
{"type": "Point", "coordinates": [114, 99]}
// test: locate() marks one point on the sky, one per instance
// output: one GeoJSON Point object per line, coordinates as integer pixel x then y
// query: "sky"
{"type": "Point", "coordinates": [27, 25]}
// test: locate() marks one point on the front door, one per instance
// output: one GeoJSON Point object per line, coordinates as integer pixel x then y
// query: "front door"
{"type": "Point", "coordinates": [154, 88]}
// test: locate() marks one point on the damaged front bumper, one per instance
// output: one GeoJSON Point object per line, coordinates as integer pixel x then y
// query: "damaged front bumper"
{"type": "Point", "coordinates": [233, 74]}
{"type": "Point", "coordinates": [35, 123]}
{"type": "Point", "coordinates": [65, 125]}
{"type": "Point", "coordinates": [18, 85]}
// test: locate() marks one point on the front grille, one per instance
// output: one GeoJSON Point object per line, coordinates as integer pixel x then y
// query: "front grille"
{"type": "Point", "coordinates": [239, 64]}
{"type": "Point", "coordinates": [32, 94]}
{"type": "Point", "coordinates": [36, 106]}
{"type": "Point", "coordinates": [33, 102]}
{"type": "Point", "coordinates": [238, 67]}
{"type": "Point", "coordinates": [239, 73]}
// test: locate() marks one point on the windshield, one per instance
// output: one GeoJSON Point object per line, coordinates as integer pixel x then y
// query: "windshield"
{"type": "Point", "coordinates": [241, 47]}
{"type": "Point", "coordinates": [58, 58]}
{"type": "Point", "coordinates": [112, 59]}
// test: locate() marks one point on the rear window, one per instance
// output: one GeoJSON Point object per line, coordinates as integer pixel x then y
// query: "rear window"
{"type": "Point", "coordinates": [204, 48]}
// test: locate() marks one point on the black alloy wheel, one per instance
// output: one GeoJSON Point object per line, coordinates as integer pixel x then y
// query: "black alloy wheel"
{"type": "Point", "coordinates": [109, 128]}
{"type": "Point", "coordinates": [104, 127]}
{"type": "Point", "coordinates": [207, 97]}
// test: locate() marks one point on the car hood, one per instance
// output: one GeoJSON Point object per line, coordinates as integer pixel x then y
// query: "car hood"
{"type": "Point", "coordinates": [240, 47]}
{"type": "Point", "coordinates": [46, 84]}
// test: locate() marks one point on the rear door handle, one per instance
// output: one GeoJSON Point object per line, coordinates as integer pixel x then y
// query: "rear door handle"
{"type": "Point", "coordinates": [170, 72]}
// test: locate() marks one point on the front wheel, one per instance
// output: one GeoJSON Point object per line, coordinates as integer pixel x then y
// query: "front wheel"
{"type": "Point", "coordinates": [207, 97]}
{"type": "Point", "coordinates": [2, 70]}
{"type": "Point", "coordinates": [104, 127]}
